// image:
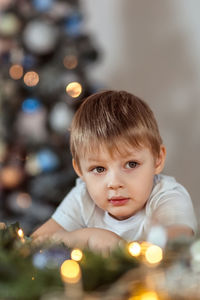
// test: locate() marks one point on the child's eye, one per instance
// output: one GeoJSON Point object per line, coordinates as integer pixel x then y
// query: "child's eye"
{"type": "Point", "coordinates": [132, 164]}
{"type": "Point", "coordinates": [98, 170]}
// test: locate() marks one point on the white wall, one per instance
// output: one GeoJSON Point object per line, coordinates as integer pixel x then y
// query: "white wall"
{"type": "Point", "coordinates": [152, 49]}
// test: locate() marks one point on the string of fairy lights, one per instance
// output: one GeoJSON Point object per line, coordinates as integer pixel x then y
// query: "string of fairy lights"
{"type": "Point", "coordinates": [146, 253]}
{"type": "Point", "coordinates": [137, 270]}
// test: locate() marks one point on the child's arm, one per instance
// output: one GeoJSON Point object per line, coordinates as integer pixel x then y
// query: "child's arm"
{"type": "Point", "coordinates": [94, 238]}
{"type": "Point", "coordinates": [176, 214]}
{"type": "Point", "coordinates": [47, 229]}
{"type": "Point", "coordinates": [179, 230]}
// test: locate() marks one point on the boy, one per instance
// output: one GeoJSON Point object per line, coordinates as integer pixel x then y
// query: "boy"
{"type": "Point", "coordinates": [118, 155]}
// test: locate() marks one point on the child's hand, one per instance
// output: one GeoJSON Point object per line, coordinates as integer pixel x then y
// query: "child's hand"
{"type": "Point", "coordinates": [60, 236]}
{"type": "Point", "coordinates": [103, 240]}
{"type": "Point", "coordinates": [39, 240]}
{"type": "Point", "coordinates": [95, 238]}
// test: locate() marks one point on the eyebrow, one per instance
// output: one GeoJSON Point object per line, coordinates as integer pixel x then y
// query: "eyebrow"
{"type": "Point", "coordinates": [124, 156]}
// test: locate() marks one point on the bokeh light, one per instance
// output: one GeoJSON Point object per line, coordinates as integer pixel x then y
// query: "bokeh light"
{"type": "Point", "coordinates": [154, 254]}
{"type": "Point", "coordinates": [16, 71]}
{"type": "Point", "coordinates": [20, 233]}
{"type": "Point", "coordinates": [31, 105]}
{"type": "Point", "coordinates": [134, 248]}
{"type": "Point", "coordinates": [70, 271]}
{"type": "Point", "coordinates": [70, 62]}
{"type": "Point", "coordinates": [74, 89]}
{"type": "Point", "coordinates": [9, 24]}
{"type": "Point", "coordinates": [24, 200]}
{"type": "Point", "coordinates": [11, 176]}
{"type": "Point", "coordinates": [76, 254]}
{"type": "Point", "coordinates": [32, 166]}
{"type": "Point", "coordinates": [5, 3]}
{"type": "Point", "coordinates": [148, 295]}
{"type": "Point", "coordinates": [31, 78]}
{"type": "Point", "coordinates": [144, 246]}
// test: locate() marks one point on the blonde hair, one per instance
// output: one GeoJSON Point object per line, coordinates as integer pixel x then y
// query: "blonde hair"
{"type": "Point", "coordinates": [106, 116]}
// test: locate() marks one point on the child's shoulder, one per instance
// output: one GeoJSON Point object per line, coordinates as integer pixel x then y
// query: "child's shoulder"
{"type": "Point", "coordinates": [81, 191]}
{"type": "Point", "coordinates": [164, 183]}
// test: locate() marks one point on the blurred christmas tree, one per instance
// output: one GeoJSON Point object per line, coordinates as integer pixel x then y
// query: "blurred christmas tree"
{"type": "Point", "coordinates": [44, 57]}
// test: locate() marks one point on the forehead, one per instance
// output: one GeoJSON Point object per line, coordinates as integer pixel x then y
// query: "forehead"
{"type": "Point", "coordinates": [113, 150]}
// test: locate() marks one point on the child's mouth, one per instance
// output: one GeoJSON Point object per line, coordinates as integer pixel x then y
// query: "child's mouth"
{"type": "Point", "coordinates": [118, 201]}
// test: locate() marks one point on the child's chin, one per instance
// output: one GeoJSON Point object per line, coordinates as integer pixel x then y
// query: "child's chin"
{"type": "Point", "coordinates": [120, 217]}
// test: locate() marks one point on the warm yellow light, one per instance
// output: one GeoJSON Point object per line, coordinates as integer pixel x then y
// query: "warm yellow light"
{"type": "Point", "coordinates": [11, 176]}
{"type": "Point", "coordinates": [70, 62]}
{"type": "Point", "coordinates": [154, 254]}
{"type": "Point", "coordinates": [134, 249]}
{"type": "Point", "coordinates": [16, 72]}
{"type": "Point", "coordinates": [145, 296]}
{"type": "Point", "coordinates": [76, 254]}
{"type": "Point", "coordinates": [31, 78]}
{"type": "Point", "coordinates": [74, 89]}
{"type": "Point", "coordinates": [20, 233]}
{"type": "Point", "coordinates": [70, 271]}
{"type": "Point", "coordinates": [144, 246]}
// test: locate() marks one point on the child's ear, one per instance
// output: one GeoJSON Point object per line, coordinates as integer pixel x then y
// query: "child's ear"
{"type": "Point", "coordinates": [76, 168]}
{"type": "Point", "coordinates": [160, 161]}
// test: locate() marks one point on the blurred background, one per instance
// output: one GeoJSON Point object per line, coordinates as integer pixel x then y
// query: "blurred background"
{"type": "Point", "coordinates": [54, 53]}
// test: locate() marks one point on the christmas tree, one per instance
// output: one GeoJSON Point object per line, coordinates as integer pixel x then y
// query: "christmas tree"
{"type": "Point", "coordinates": [45, 55]}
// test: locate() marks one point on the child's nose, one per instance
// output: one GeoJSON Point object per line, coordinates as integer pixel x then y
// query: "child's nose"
{"type": "Point", "coordinates": [114, 181]}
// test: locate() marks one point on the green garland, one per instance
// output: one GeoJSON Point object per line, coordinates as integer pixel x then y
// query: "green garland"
{"type": "Point", "coordinates": [28, 271]}
{"type": "Point", "coordinates": [33, 272]}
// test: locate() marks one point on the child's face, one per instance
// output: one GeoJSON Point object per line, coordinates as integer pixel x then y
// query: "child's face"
{"type": "Point", "coordinates": [120, 183]}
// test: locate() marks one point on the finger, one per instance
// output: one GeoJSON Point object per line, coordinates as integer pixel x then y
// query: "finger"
{"type": "Point", "coordinates": [40, 240]}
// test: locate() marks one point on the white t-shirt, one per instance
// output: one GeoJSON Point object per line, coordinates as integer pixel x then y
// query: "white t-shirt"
{"type": "Point", "coordinates": [168, 204]}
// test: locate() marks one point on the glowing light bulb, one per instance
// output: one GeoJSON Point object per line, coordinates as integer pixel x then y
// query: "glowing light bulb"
{"type": "Point", "coordinates": [70, 271]}
{"type": "Point", "coordinates": [21, 234]}
{"type": "Point", "coordinates": [150, 295]}
{"type": "Point", "coordinates": [70, 62]}
{"type": "Point", "coordinates": [16, 72]}
{"type": "Point", "coordinates": [76, 254]}
{"type": "Point", "coordinates": [134, 249]}
{"type": "Point", "coordinates": [154, 254]}
{"type": "Point", "coordinates": [74, 89]}
{"type": "Point", "coordinates": [31, 78]}
{"type": "Point", "coordinates": [144, 246]}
